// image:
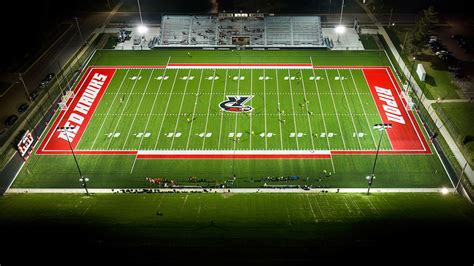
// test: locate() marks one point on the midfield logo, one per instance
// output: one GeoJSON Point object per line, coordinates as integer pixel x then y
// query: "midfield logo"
{"type": "Point", "coordinates": [235, 104]}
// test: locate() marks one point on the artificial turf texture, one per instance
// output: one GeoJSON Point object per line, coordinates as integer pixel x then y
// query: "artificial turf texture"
{"type": "Point", "coordinates": [254, 226]}
{"type": "Point", "coordinates": [332, 112]}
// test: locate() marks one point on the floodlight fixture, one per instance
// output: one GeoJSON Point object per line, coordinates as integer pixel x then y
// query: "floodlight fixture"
{"type": "Point", "coordinates": [340, 29]}
{"type": "Point", "coordinates": [444, 191]}
{"type": "Point", "coordinates": [142, 29]}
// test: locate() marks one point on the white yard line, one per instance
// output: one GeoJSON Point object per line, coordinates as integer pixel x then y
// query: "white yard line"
{"type": "Point", "coordinates": [335, 108]}
{"type": "Point", "coordinates": [153, 107]}
{"type": "Point", "coordinates": [250, 115]}
{"type": "Point", "coordinates": [363, 109]}
{"type": "Point", "coordinates": [139, 104]}
{"type": "Point", "coordinates": [307, 110]}
{"type": "Point", "coordinates": [208, 111]}
{"type": "Point", "coordinates": [279, 111]}
{"type": "Point", "coordinates": [108, 111]}
{"type": "Point", "coordinates": [349, 107]}
{"type": "Point", "coordinates": [166, 110]}
{"type": "Point", "coordinates": [194, 110]}
{"type": "Point", "coordinates": [236, 114]}
{"type": "Point", "coordinates": [293, 108]}
{"type": "Point", "coordinates": [265, 108]}
{"type": "Point", "coordinates": [222, 111]}
{"type": "Point", "coordinates": [123, 109]}
{"type": "Point", "coordinates": [180, 108]}
{"type": "Point", "coordinates": [322, 115]}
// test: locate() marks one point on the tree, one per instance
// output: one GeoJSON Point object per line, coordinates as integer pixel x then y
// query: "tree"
{"type": "Point", "coordinates": [423, 29]}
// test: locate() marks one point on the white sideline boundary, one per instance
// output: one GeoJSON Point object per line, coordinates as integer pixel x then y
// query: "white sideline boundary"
{"type": "Point", "coordinates": [236, 67]}
{"type": "Point", "coordinates": [237, 152]}
{"type": "Point", "coordinates": [227, 190]}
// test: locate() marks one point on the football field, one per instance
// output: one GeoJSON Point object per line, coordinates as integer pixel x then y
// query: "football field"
{"type": "Point", "coordinates": [252, 117]}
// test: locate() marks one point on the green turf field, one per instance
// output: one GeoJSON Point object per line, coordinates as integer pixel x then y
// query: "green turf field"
{"type": "Point", "coordinates": [178, 109]}
{"type": "Point", "coordinates": [207, 225]}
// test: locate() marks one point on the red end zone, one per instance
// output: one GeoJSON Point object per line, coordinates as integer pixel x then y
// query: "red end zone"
{"type": "Point", "coordinates": [405, 134]}
{"type": "Point", "coordinates": [80, 109]}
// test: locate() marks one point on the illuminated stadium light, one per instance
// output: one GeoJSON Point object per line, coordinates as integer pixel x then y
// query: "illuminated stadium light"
{"type": "Point", "coordinates": [340, 29]}
{"type": "Point", "coordinates": [142, 29]}
{"type": "Point", "coordinates": [444, 191]}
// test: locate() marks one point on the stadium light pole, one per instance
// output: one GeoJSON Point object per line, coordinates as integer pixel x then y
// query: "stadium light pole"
{"type": "Point", "coordinates": [26, 89]}
{"type": "Point", "coordinates": [381, 128]}
{"type": "Point", "coordinates": [79, 30]}
{"type": "Point", "coordinates": [340, 28]}
{"type": "Point", "coordinates": [65, 130]}
{"type": "Point", "coordinates": [390, 18]}
{"type": "Point", "coordinates": [411, 72]}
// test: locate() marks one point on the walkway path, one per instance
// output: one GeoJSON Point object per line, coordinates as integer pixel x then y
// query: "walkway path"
{"type": "Point", "coordinates": [232, 190]}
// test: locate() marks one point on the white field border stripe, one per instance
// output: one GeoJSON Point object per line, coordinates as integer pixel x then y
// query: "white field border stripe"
{"type": "Point", "coordinates": [108, 109]}
{"type": "Point", "coordinates": [363, 108]}
{"type": "Point", "coordinates": [349, 107]}
{"type": "Point", "coordinates": [166, 109]}
{"type": "Point", "coordinates": [279, 111]}
{"type": "Point", "coordinates": [375, 102]}
{"type": "Point", "coordinates": [237, 67]}
{"type": "Point", "coordinates": [208, 110]}
{"type": "Point", "coordinates": [293, 108]}
{"type": "Point", "coordinates": [138, 108]}
{"type": "Point", "coordinates": [401, 101]}
{"type": "Point", "coordinates": [335, 108]}
{"type": "Point", "coordinates": [231, 152]}
{"type": "Point", "coordinates": [236, 114]}
{"type": "Point", "coordinates": [194, 110]}
{"type": "Point", "coordinates": [307, 110]}
{"type": "Point", "coordinates": [180, 108]}
{"type": "Point", "coordinates": [123, 109]}
{"type": "Point", "coordinates": [78, 87]}
{"type": "Point", "coordinates": [153, 107]}
{"type": "Point", "coordinates": [222, 111]}
{"type": "Point", "coordinates": [265, 108]}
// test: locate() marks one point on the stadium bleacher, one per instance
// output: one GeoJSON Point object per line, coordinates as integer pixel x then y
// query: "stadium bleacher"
{"type": "Point", "coordinates": [259, 30]}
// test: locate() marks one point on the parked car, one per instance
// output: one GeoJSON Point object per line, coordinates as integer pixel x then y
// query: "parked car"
{"type": "Point", "coordinates": [23, 108]}
{"type": "Point", "coordinates": [46, 80]}
{"type": "Point", "coordinates": [11, 120]}
{"type": "Point", "coordinates": [34, 94]}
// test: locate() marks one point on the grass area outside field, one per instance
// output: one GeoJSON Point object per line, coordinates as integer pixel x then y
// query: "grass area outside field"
{"type": "Point", "coordinates": [234, 226]}
{"type": "Point", "coordinates": [458, 118]}
{"type": "Point", "coordinates": [368, 41]}
{"type": "Point", "coordinates": [438, 78]}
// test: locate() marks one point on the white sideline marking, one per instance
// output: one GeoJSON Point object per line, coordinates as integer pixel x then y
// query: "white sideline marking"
{"type": "Point", "coordinates": [226, 152]}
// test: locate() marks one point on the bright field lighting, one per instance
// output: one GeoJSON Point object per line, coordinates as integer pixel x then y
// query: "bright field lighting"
{"type": "Point", "coordinates": [340, 29]}
{"type": "Point", "coordinates": [444, 191]}
{"type": "Point", "coordinates": [142, 29]}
